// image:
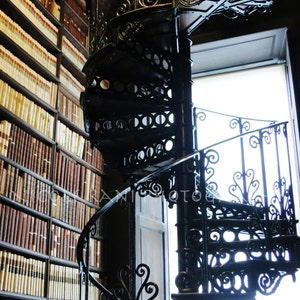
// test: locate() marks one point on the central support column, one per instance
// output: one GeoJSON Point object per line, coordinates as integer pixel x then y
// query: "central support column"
{"type": "Point", "coordinates": [187, 280]}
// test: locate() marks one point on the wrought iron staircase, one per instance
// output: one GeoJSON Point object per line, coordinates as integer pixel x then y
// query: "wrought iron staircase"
{"type": "Point", "coordinates": [240, 246]}
{"type": "Point", "coordinates": [138, 112]}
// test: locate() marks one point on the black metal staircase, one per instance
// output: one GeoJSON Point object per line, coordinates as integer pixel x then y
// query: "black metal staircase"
{"type": "Point", "coordinates": [139, 113]}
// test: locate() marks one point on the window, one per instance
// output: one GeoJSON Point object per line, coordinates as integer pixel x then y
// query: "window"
{"type": "Point", "coordinates": [248, 77]}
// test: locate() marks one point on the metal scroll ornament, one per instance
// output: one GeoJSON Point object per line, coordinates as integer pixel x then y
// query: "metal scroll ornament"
{"type": "Point", "coordinates": [147, 287]}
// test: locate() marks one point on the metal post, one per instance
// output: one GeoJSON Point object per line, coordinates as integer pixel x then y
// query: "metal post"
{"type": "Point", "coordinates": [185, 144]}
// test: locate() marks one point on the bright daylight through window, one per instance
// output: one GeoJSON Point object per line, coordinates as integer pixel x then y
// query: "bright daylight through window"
{"type": "Point", "coordinates": [260, 94]}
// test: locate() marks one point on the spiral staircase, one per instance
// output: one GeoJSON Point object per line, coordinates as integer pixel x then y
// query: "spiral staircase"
{"type": "Point", "coordinates": [138, 112]}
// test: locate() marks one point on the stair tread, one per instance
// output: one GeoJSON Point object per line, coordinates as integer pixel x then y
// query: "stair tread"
{"type": "Point", "coordinates": [110, 102]}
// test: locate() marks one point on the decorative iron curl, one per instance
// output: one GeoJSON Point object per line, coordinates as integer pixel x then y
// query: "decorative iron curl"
{"type": "Point", "coordinates": [274, 211]}
{"type": "Point", "coordinates": [266, 135]}
{"type": "Point", "coordinates": [237, 122]}
{"type": "Point", "coordinates": [226, 282]}
{"type": "Point", "coordinates": [147, 3]}
{"type": "Point", "coordinates": [258, 201]}
{"type": "Point", "coordinates": [129, 30]}
{"type": "Point", "coordinates": [124, 7]}
{"type": "Point", "coordinates": [255, 249]}
{"type": "Point", "coordinates": [123, 276]}
{"type": "Point", "coordinates": [222, 256]}
{"type": "Point", "coordinates": [254, 141]}
{"type": "Point", "coordinates": [215, 235]}
{"type": "Point", "coordinates": [211, 157]}
{"type": "Point", "coordinates": [188, 281]}
{"type": "Point", "coordinates": [289, 210]}
{"type": "Point", "coordinates": [278, 201]}
{"type": "Point", "coordinates": [278, 130]}
{"type": "Point", "coordinates": [149, 287]}
{"type": "Point", "coordinates": [201, 116]}
{"type": "Point", "coordinates": [278, 250]}
{"type": "Point", "coordinates": [247, 192]}
{"type": "Point", "coordinates": [98, 30]}
{"type": "Point", "coordinates": [151, 188]}
{"type": "Point", "coordinates": [93, 230]}
{"type": "Point", "coordinates": [194, 239]}
{"type": "Point", "coordinates": [269, 281]}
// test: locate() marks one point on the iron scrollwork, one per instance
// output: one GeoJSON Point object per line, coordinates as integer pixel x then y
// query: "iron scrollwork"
{"type": "Point", "coordinates": [242, 195]}
{"type": "Point", "coordinates": [164, 185]}
{"type": "Point", "coordinates": [122, 291]}
{"type": "Point", "coordinates": [98, 30]}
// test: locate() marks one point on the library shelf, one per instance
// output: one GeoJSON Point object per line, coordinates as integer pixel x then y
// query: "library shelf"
{"type": "Point", "coordinates": [44, 199]}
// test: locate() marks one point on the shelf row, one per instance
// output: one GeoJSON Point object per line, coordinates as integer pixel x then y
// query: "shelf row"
{"type": "Point", "coordinates": [30, 46]}
{"type": "Point", "coordinates": [74, 181]}
{"type": "Point", "coordinates": [44, 18]}
{"type": "Point", "coordinates": [18, 109]}
{"type": "Point", "coordinates": [26, 276]}
{"type": "Point", "coordinates": [51, 179]}
{"type": "Point", "coordinates": [26, 231]}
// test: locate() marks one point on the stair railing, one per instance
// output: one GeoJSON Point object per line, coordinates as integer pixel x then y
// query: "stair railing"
{"type": "Point", "coordinates": [280, 206]}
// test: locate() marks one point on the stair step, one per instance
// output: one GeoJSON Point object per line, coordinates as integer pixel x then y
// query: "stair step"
{"type": "Point", "coordinates": [243, 245]}
{"type": "Point", "coordinates": [214, 296]}
{"type": "Point", "coordinates": [127, 141]}
{"type": "Point", "coordinates": [233, 207]}
{"type": "Point", "coordinates": [108, 103]}
{"type": "Point", "coordinates": [258, 265]}
{"type": "Point", "coordinates": [238, 223]}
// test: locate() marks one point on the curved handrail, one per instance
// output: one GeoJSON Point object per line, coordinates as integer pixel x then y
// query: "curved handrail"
{"type": "Point", "coordinates": [85, 234]}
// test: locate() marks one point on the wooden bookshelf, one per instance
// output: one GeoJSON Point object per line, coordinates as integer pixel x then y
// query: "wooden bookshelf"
{"type": "Point", "coordinates": [50, 177]}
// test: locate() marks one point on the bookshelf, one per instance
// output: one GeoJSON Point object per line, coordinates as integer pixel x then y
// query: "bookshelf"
{"type": "Point", "coordinates": [50, 177]}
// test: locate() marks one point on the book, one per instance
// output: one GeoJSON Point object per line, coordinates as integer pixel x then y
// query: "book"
{"type": "Point", "coordinates": [5, 129]}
